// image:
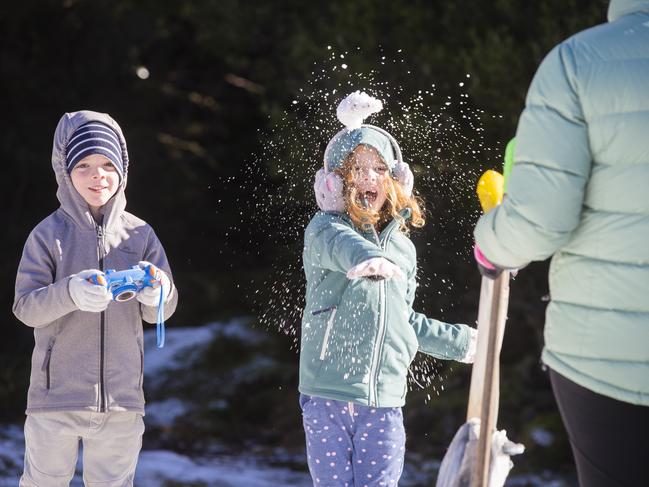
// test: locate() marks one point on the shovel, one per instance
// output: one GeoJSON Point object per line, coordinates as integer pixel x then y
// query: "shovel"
{"type": "Point", "coordinates": [479, 455]}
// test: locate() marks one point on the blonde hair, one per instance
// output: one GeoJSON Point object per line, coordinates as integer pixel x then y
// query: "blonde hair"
{"type": "Point", "coordinates": [396, 199]}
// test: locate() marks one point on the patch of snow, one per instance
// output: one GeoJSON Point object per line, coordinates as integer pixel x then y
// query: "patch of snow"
{"type": "Point", "coordinates": [542, 437]}
{"type": "Point", "coordinates": [179, 340]}
{"type": "Point", "coordinates": [156, 467]}
{"type": "Point", "coordinates": [176, 357]}
{"type": "Point", "coordinates": [12, 449]}
{"type": "Point", "coordinates": [547, 479]}
{"type": "Point", "coordinates": [162, 413]}
{"type": "Point", "coordinates": [241, 330]}
{"type": "Point", "coordinates": [219, 404]}
{"type": "Point", "coordinates": [251, 370]}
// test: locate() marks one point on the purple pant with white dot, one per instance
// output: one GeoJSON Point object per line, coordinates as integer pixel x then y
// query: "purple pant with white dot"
{"type": "Point", "coordinates": [350, 445]}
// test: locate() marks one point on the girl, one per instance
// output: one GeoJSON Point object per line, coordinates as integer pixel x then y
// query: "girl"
{"type": "Point", "coordinates": [359, 331]}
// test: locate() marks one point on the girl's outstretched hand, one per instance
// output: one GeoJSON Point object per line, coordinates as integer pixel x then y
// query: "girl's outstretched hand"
{"type": "Point", "coordinates": [376, 267]}
{"type": "Point", "coordinates": [328, 188]}
{"type": "Point", "coordinates": [404, 176]}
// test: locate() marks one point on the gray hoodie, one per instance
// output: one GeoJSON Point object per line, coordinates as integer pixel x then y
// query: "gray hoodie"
{"type": "Point", "coordinates": [82, 360]}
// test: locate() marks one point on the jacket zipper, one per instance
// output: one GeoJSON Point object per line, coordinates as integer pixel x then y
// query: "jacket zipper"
{"type": "Point", "coordinates": [325, 340]}
{"type": "Point", "coordinates": [102, 327]}
{"type": "Point", "coordinates": [46, 365]}
{"type": "Point", "coordinates": [141, 366]}
{"type": "Point", "coordinates": [378, 345]}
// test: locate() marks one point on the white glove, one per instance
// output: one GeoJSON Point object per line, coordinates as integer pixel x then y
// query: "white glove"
{"type": "Point", "coordinates": [86, 295]}
{"type": "Point", "coordinates": [328, 188]}
{"type": "Point", "coordinates": [469, 356]}
{"type": "Point", "coordinates": [377, 267]}
{"type": "Point", "coordinates": [150, 296]}
{"type": "Point", "coordinates": [404, 176]}
{"type": "Point", "coordinates": [502, 448]}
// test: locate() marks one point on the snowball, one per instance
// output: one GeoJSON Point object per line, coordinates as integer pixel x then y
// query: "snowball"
{"type": "Point", "coordinates": [356, 107]}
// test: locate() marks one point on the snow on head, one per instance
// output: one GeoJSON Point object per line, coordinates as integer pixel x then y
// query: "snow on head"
{"type": "Point", "coordinates": [356, 107]}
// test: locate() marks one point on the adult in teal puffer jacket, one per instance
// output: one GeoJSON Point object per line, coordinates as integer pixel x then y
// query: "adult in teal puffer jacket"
{"type": "Point", "coordinates": [578, 191]}
{"type": "Point", "coordinates": [359, 331]}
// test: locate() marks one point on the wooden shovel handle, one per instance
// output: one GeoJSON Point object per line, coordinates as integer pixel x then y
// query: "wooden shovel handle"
{"type": "Point", "coordinates": [485, 386]}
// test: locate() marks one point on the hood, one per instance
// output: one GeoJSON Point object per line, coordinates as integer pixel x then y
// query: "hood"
{"type": "Point", "coordinates": [345, 141]}
{"type": "Point", "coordinates": [619, 8]}
{"type": "Point", "coordinates": [71, 201]}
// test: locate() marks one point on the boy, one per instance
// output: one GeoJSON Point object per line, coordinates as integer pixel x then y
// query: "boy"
{"type": "Point", "coordinates": [87, 364]}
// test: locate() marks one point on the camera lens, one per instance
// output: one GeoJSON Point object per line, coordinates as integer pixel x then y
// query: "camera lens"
{"type": "Point", "coordinates": [124, 296]}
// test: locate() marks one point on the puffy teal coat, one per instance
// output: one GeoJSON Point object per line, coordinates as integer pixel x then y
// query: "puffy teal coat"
{"type": "Point", "coordinates": [579, 190]}
{"type": "Point", "coordinates": [360, 336]}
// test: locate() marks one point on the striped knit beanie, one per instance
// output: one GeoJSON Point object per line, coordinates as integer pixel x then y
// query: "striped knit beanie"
{"type": "Point", "coordinates": [95, 138]}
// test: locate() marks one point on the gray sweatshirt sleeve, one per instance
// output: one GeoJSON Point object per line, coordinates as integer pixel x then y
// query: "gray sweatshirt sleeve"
{"type": "Point", "coordinates": [155, 254]}
{"type": "Point", "coordinates": [38, 300]}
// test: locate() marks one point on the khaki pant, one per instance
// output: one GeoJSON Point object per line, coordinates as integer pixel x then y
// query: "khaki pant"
{"type": "Point", "coordinates": [111, 444]}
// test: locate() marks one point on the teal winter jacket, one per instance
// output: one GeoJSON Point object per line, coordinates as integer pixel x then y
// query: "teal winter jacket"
{"type": "Point", "coordinates": [579, 191]}
{"type": "Point", "coordinates": [360, 336]}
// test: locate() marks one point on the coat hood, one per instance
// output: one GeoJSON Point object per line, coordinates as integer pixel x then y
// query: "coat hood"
{"type": "Point", "coordinates": [71, 201]}
{"type": "Point", "coordinates": [619, 8]}
{"type": "Point", "coordinates": [345, 141]}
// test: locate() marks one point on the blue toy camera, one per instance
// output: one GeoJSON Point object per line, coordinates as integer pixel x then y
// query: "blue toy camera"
{"type": "Point", "coordinates": [124, 285]}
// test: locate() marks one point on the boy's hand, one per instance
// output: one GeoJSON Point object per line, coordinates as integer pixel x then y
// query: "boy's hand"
{"type": "Point", "coordinates": [150, 296]}
{"type": "Point", "coordinates": [86, 295]}
{"type": "Point", "coordinates": [376, 267]}
{"type": "Point", "coordinates": [469, 356]}
{"type": "Point", "coordinates": [328, 188]}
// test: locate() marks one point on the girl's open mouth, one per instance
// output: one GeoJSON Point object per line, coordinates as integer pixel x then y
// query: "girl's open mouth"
{"type": "Point", "coordinates": [369, 197]}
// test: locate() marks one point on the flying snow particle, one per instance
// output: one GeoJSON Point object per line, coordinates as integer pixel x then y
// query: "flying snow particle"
{"type": "Point", "coordinates": [142, 72]}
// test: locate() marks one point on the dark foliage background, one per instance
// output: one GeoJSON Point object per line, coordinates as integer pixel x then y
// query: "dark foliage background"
{"type": "Point", "coordinates": [222, 79]}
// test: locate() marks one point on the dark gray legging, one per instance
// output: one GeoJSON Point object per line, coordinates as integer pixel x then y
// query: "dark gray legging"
{"type": "Point", "coordinates": [609, 438]}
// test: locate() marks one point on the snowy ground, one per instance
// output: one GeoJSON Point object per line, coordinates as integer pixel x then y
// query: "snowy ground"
{"type": "Point", "coordinates": [158, 468]}
{"type": "Point", "coordinates": [163, 468]}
